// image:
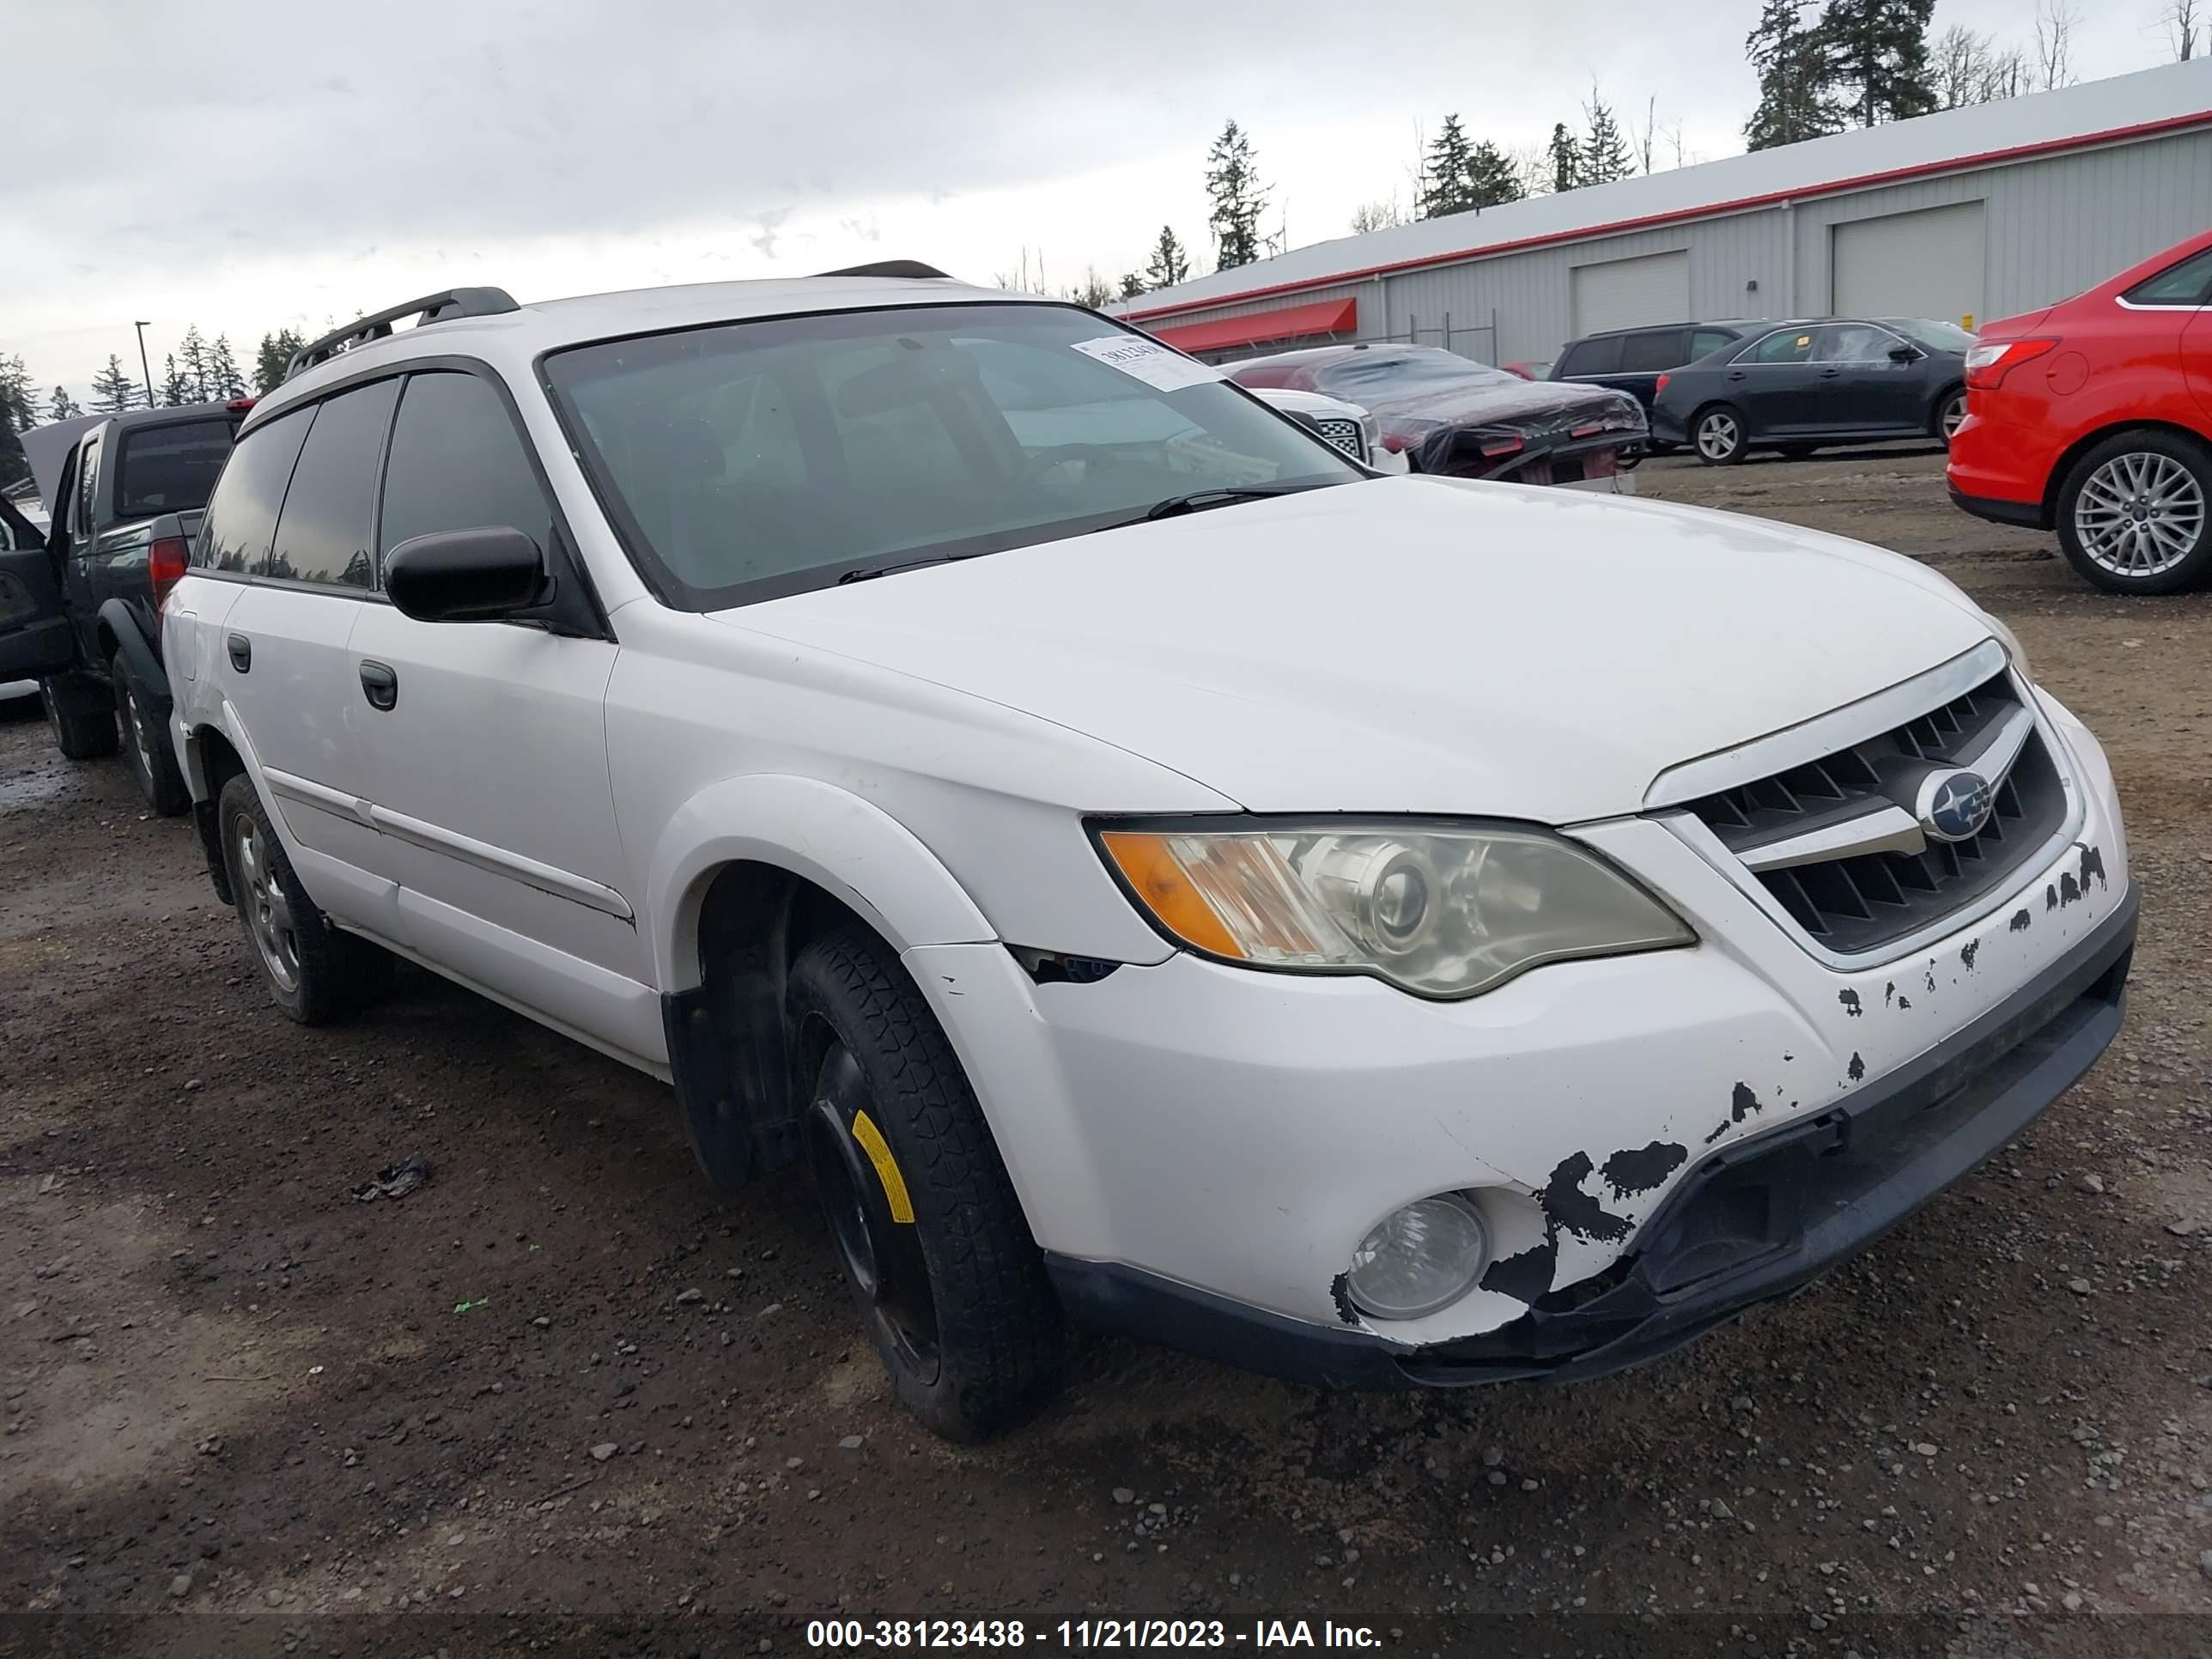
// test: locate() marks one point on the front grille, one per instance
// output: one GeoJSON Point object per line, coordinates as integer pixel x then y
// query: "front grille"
{"type": "Point", "coordinates": [1343, 433]}
{"type": "Point", "coordinates": [1855, 903]}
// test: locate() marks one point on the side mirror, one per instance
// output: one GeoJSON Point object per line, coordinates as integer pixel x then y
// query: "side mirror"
{"type": "Point", "coordinates": [1904, 353]}
{"type": "Point", "coordinates": [465, 575]}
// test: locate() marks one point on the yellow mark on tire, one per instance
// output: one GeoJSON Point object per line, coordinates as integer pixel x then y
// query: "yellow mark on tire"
{"type": "Point", "coordinates": [887, 1170]}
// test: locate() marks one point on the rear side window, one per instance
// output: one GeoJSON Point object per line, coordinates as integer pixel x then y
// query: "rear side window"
{"type": "Point", "coordinates": [2189, 283]}
{"type": "Point", "coordinates": [241, 517]}
{"type": "Point", "coordinates": [1708, 340]}
{"type": "Point", "coordinates": [1643, 353]}
{"type": "Point", "coordinates": [170, 469]}
{"type": "Point", "coordinates": [1593, 357]}
{"type": "Point", "coordinates": [457, 463]}
{"type": "Point", "coordinates": [322, 535]}
{"type": "Point", "coordinates": [1791, 345]}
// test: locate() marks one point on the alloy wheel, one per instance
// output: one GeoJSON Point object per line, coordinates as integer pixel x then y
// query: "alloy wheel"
{"type": "Point", "coordinates": [132, 721]}
{"type": "Point", "coordinates": [1954, 416]}
{"type": "Point", "coordinates": [267, 911]}
{"type": "Point", "coordinates": [2140, 514]}
{"type": "Point", "coordinates": [1718, 435]}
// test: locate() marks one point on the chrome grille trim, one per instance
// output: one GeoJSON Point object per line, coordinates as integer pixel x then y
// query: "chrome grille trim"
{"type": "Point", "coordinates": [1344, 433]}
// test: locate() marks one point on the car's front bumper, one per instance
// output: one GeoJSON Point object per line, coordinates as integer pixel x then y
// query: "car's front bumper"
{"type": "Point", "coordinates": [1200, 1147]}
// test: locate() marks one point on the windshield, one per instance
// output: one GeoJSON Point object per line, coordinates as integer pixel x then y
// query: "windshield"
{"type": "Point", "coordinates": [752, 459]}
{"type": "Point", "coordinates": [1937, 336]}
{"type": "Point", "coordinates": [171, 469]}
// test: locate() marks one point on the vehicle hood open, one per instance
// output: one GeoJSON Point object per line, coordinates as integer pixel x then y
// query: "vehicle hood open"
{"type": "Point", "coordinates": [1413, 644]}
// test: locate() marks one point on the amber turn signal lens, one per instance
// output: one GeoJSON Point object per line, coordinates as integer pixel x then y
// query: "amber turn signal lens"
{"type": "Point", "coordinates": [1147, 864]}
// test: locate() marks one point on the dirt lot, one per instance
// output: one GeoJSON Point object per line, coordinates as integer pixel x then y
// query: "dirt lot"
{"type": "Point", "coordinates": [561, 1398]}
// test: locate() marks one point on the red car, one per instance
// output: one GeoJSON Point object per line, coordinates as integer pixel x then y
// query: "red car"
{"type": "Point", "coordinates": [2094, 418]}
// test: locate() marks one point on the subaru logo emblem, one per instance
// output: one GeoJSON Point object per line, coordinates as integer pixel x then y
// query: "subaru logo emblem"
{"type": "Point", "coordinates": [1953, 806]}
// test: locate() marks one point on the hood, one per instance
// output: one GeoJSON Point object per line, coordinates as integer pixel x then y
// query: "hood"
{"type": "Point", "coordinates": [45, 447]}
{"type": "Point", "coordinates": [1410, 644]}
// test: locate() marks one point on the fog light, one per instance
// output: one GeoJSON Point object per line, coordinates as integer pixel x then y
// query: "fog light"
{"type": "Point", "coordinates": [1419, 1259]}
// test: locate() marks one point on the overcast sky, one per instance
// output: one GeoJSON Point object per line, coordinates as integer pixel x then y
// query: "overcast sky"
{"type": "Point", "coordinates": [247, 165]}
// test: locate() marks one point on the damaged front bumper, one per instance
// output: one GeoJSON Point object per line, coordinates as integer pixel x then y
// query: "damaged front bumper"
{"type": "Point", "coordinates": [1754, 1221]}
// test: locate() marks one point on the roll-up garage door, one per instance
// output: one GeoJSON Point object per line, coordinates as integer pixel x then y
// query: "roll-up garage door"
{"type": "Point", "coordinates": [1927, 263]}
{"type": "Point", "coordinates": [1628, 293]}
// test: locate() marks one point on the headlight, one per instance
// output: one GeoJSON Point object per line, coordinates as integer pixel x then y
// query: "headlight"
{"type": "Point", "coordinates": [1441, 911]}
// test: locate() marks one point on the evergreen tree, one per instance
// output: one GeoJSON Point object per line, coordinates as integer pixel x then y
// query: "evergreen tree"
{"type": "Point", "coordinates": [1566, 159]}
{"type": "Point", "coordinates": [64, 407]}
{"type": "Point", "coordinates": [275, 353]}
{"type": "Point", "coordinates": [1792, 60]}
{"type": "Point", "coordinates": [1095, 291]}
{"type": "Point", "coordinates": [1170, 265]}
{"type": "Point", "coordinates": [176, 385]}
{"type": "Point", "coordinates": [1446, 185]}
{"type": "Point", "coordinates": [224, 382]}
{"type": "Point", "coordinates": [193, 353]}
{"type": "Point", "coordinates": [1492, 179]}
{"type": "Point", "coordinates": [1877, 58]}
{"type": "Point", "coordinates": [1132, 285]}
{"type": "Point", "coordinates": [13, 466]}
{"type": "Point", "coordinates": [1605, 150]}
{"type": "Point", "coordinates": [1232, 183]}
{"type": "Point", "coordinates": [113, 390]}
{"type": "Point", "coordinates": [16, 394]}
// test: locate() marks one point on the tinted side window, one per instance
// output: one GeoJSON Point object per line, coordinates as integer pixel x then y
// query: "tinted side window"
{"type": "Point", "coordinates": [1593, 357]}
{"type": "Point", "coordinates": [241, 517]}
{"type": "Point", "coordinates": [457, 463]}
{"type": "Point", "coordinates": [2189, 283]}
{"type": "Point", "coordinates": [87, 487]}
{"type": "Point", "coordinates": [1642, 354]}
{"type": "Point", "coordinates": [1791, 345]}
{"type": "Point", "coordinates": [1853, 343]}
{"type": "Point", "coordinates": [322, 535]}
{"type": "Point", "coordinates": [1709, 340]}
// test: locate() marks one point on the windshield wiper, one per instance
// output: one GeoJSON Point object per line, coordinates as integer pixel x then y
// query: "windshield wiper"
{"type": "Point", "coordinates": [864, 572]}
{"type": "Point", "coordinates": [1199, 499]}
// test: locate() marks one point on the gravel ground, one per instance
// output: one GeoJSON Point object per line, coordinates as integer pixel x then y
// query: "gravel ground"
{"type": "Point", "coordinates": [562, 1399]}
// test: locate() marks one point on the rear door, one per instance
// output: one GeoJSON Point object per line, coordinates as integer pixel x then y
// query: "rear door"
{"type": "Point", "coordinates": [1774, 382]}
{"type": "Point", "coordinates": [34, 632]}
{"type": "Point", "coordinates": [1645, 356]}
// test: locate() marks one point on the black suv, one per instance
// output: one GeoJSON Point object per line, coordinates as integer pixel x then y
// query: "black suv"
{"type": "Point", "coordinates": [1631, 359]}
{"type": "Point", "coordinates": [125, 492]}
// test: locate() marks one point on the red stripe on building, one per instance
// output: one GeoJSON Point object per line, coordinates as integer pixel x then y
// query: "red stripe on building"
{"type": "Point", "coordinates": [1681, 215]}
{"type": "Point", "coordinates": [1291, 322]}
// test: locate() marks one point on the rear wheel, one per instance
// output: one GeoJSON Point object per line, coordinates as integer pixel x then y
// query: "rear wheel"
{"type": "Point", "coordinates": [313, 971]}
{"type": "Point", "coordinates": [1949, 414]}
{"type": "Point", "coordinates": [2133, 514]}
{"type": "Point", "coordinates": [939, 1259]}
{"type": "Point", "coordinates": [1718, 433]}
{"type": "Point", "coordinates": [79, 714]}
{"type": "Point", "coordinates": [145, 745]}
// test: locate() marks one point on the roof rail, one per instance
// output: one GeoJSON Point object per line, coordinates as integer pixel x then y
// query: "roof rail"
{"type": "Point", "coordinates": [431, 309]}
{"type": "Point", "coordinates": [889, 268]}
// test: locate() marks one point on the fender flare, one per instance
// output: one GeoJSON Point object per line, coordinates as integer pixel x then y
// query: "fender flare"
{"type": "Point", "coordinates": [848, 846]}
{"type": "Point", "coordinates": [117, 623]}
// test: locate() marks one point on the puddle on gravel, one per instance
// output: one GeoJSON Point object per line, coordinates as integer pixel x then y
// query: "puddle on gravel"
{"type": "Point", "coordinates": [31, 787]}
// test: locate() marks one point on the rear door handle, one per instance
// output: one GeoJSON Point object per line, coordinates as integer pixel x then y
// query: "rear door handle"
{"type": "Point", "coordinates": [378, 683]}
{"type": "Point", "coordinates": [1735, 375]}
{"type": "Point", "coordinates": [241, 652]}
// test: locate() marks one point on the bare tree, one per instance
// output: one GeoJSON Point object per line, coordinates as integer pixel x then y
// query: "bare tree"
{"type": "Point", "coordinates": [1644, 140]}
{"type": "Point", "coordinates": [1959, 64]}
{"type": "Point", "coordinates": [2054, 44]}
{"type": "Point", "coordinates": [1534, 163]}
{"type": "Point", "coordinates": [2181, 26]}
{"type": "Point", "coordinates": [1377, 216]}
{"type": "Point", "coordinates": [1022, 279]}
{"type": "Point", "coordinates": [2009, 76]}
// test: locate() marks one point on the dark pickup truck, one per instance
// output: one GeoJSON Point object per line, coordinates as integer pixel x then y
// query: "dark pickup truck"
{"type": "Point", "coordinates": [124, 493]}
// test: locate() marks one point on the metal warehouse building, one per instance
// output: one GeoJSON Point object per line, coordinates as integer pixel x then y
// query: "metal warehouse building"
{"type": "Point", "coordinates": [1969, 215]}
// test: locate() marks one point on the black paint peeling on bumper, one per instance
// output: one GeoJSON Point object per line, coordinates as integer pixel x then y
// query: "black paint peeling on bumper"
{"type": "Point", "coordinates": [1834, 1186]}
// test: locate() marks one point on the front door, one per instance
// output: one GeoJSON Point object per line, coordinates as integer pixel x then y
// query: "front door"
{"type": "Point", "coordinates": [482, 748]}
{"type": "Point", "coordinates": [1861, 387]}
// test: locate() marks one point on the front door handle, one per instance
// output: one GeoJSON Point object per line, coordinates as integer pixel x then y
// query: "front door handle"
{"type": "Point", "coordinates": [241, 652]}
{"type": "Point", "coordinates": [378, 683]}
{"type": "Point", "coordinates": [1830, 373]}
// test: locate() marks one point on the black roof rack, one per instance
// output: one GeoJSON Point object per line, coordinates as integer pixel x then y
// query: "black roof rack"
{"type": "Point", "coordinates": [431, 309]}
{"type": "Point", "coordinates": [889, 268]}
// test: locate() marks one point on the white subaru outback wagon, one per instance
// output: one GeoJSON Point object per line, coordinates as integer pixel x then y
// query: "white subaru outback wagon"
{"type": "Point", "coordinates": [1148, 873]}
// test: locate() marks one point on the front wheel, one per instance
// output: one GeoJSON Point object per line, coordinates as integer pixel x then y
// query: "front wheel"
{"type": "Point", "coordinates": [1718, 433]}
{"type": "Point", "coordinates": [146, 746]}
{"type": "Point", "coordinates": [2132, 514]}
{"type": "Point", "coordinates": [939, 1259]}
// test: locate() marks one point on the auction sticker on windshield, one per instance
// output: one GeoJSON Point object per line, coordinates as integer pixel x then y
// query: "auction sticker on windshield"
{"type": "Point", "coordinates": [1149, 361]}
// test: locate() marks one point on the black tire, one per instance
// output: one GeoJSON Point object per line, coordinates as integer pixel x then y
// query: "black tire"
{"type": "Point", "coordinates": [955, 1298]}
{"type": "Point", "coordinates": [1950, 409]}
{"type": "Point", "coordinates": [80, 715]}
{"type": "Point", "coordinates": [1729, 439]}
{"type": "Point", "coordinates": [2172, 484]}
{"type": "Point", "coordinates": [315, 972]}
{"type": "Point", "coordinates": [144, 741]}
